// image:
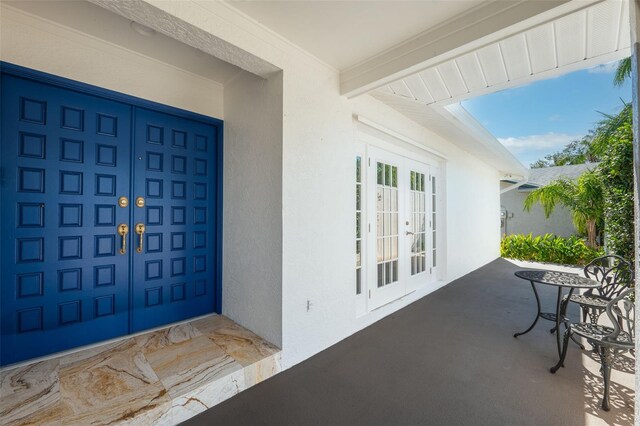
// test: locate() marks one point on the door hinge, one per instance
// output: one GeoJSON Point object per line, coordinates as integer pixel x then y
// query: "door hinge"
{"type": "Point", "coordinates": [369, 227]}
{"type": "Point", "coordinates": [430, 271]}
{"type": "Point", "coordinates": [369, 161]}
{"type": "Point", "coordinates": [369, 294]}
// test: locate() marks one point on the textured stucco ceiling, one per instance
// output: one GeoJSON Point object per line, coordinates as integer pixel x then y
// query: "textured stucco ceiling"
{"type": "Point", "coordinates": [344, 33]}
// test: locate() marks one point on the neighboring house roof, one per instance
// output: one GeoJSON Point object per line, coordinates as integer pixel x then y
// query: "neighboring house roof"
{"type": "Point", "coordinates": [544, 175]}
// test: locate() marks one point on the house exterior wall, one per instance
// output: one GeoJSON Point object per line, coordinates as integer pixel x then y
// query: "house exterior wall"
{"type": "Point", "coordinates": [252, 230]}
{"type": "Point", "coordinates": [32, 42]}
{"type": "Point", "coordinates": [319, 148]}
{"type": "Point", "coordinates": [297, 285]}
{"type": "Point", "coordinates": [534, 222]}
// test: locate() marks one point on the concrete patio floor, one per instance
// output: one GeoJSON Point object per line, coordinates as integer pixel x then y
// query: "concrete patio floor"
{"type": "Point", "coordinates": [448, 359]}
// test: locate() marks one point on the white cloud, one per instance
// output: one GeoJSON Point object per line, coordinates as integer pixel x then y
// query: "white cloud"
{"type": "Point", "coordinates": [533, 147]}
{"type": "Point", "coordinates": [549, 141]}
{"type": "Point", "coordinates": [608, 68]}
{"type": "Point", "coordinates": [555, 117]}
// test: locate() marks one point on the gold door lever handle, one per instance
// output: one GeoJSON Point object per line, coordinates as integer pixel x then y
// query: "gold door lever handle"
{"type": "Point", "coordinates": [123, 230]}
{"type": "Point", "coordinates": [140, 231]}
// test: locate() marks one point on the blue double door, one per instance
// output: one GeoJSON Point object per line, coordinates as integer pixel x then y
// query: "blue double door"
{"type": "Point", "coordinates": [109, 217]}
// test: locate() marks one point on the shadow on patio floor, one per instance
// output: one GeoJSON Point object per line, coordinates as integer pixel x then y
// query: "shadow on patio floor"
{"type": "Point", "coordinates": [447, 359]}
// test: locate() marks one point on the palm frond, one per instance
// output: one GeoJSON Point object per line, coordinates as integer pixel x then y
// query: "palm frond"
{"type": "Point", "coordinates": [579, 220]}
{"type": "Point", "coordinates": [607, 127]}
{"type": "Point", "coordinates": [623, 72]}
{"type": "Point", "coordinates": [583, 198]}
{"type": "Point", "coordinates": [557, 192]}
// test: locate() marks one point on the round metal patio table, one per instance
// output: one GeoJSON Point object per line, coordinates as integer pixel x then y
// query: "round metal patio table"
{"type": "Point", "coordinates": [560, 280]}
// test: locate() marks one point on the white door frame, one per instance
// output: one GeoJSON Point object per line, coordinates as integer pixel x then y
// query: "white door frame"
{"type": "Point", "coordinates": [380, 291]}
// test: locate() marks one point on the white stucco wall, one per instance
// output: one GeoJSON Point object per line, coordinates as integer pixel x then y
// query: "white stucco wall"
{"type": "Point", "coordinates": [318, 238]}
{"type": "Point", "coordinates": [473, 215]}
{"type": "Point", "coordinates": [313, 164]}
{"type": "Point", "coordinates": [32, 42]}
{"type": "Point", "coordinates": [252, 266]}
{"type": "Point", "coordinates": [534, 221]}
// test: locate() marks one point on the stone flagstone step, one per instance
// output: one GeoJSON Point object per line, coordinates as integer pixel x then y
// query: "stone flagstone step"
{"type": "Point", "coordinates": [162, 377]}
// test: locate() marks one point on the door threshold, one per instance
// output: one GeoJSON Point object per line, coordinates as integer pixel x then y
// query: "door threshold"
{"type": "Point", "coordinates": [99, 344]}
{"type": "Point", "coordinates": [399, 299]}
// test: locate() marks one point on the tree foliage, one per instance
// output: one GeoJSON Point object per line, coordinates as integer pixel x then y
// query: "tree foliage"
{"type": "Point", "coordinates": [616, 174]}
{"type": "Point", "coordinates": [576, 152]}
{"type": "Point", "coordinates": [583, 198]}
{"type": "Point", "coordinates": [623, 72]}
{"type": "Point", "coordinates": [606, 129]}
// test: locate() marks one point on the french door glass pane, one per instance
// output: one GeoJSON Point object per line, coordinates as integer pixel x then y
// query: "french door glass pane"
{"type": "Point", "coordinates": [387, 216]}
{"type": "Point", "coordinates": [419, 220]}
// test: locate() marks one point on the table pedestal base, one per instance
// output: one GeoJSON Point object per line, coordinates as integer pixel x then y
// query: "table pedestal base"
{"type": "Point", "coordinates": [558, 317]}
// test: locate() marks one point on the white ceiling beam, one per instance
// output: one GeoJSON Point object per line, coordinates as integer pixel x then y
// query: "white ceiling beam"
{"type": "Point", "coordinates": [488, 23]}
{"type": "Point", "coordinates": [212, 27]}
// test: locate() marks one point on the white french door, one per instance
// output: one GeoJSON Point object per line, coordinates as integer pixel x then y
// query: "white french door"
{"type": "Point", "coordinates": [400, 226]}
{"type": "Point", "coordinates": [417, 224]}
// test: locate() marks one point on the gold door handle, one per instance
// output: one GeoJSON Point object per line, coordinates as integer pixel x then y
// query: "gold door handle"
{"type": "Point", "coordinates": [123, 230]}
{"type": "Point", "coordinates": [140, 231]}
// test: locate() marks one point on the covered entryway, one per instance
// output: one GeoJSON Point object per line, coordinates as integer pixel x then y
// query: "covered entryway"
{"type": "Point", "coordinates": [111, 214]}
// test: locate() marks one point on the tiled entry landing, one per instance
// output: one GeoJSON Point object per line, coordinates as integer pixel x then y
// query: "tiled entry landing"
{"type": "Point", "coordinates": [162, 377]}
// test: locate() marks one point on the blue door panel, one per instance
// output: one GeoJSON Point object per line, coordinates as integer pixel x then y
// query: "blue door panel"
{"type": "Point", "coordinates": [69, 151]}
{"type": "Point", "coordinates": [174, 170]}
{"type": "Point", "coordinates": [63, 282]}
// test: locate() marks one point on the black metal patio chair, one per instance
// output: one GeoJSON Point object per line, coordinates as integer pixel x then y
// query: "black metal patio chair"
{"type": "Point", "coordinates": [609, 342]}
{"type": "Point", "coordinates": [615, 274]}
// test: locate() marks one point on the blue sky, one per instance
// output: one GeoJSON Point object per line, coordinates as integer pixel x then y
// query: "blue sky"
{"type": "Point", "coordinates": [542, 117]}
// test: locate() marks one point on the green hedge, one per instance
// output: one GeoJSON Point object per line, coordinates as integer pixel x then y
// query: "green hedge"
{"type": "Point", "coordinates": [548, 248]}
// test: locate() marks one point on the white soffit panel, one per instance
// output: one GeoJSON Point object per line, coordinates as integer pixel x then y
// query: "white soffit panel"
{"type": "Point", "coordinates": [581, 39]}
{"type": "Point", "coordinates": [469, 66]}
{"type": "Point", "coordinates": [435, 84]}
{"type": "Point", "coordinates": [418, 88]}
{"type": "Point", "coordinates": [492, 64]}
{"type": "Point", "coordinates": [603, 27]}
{"type": "Point", "coordinates": [572, 31]}
{"type": "Point", "coordinates": [542, 48]}
{"type": "Point", "coordinates": [452, 78]}
{"type": "Point", "coordinates": [401, 89]}
{"type": "Point", "coordinates": [516, 56]}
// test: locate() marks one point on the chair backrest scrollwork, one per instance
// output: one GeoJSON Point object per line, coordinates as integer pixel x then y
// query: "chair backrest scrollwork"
{"type": "Point", "coordinates": [621, 312]}
{"type": "Point", "coordinates": [613, 272]}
